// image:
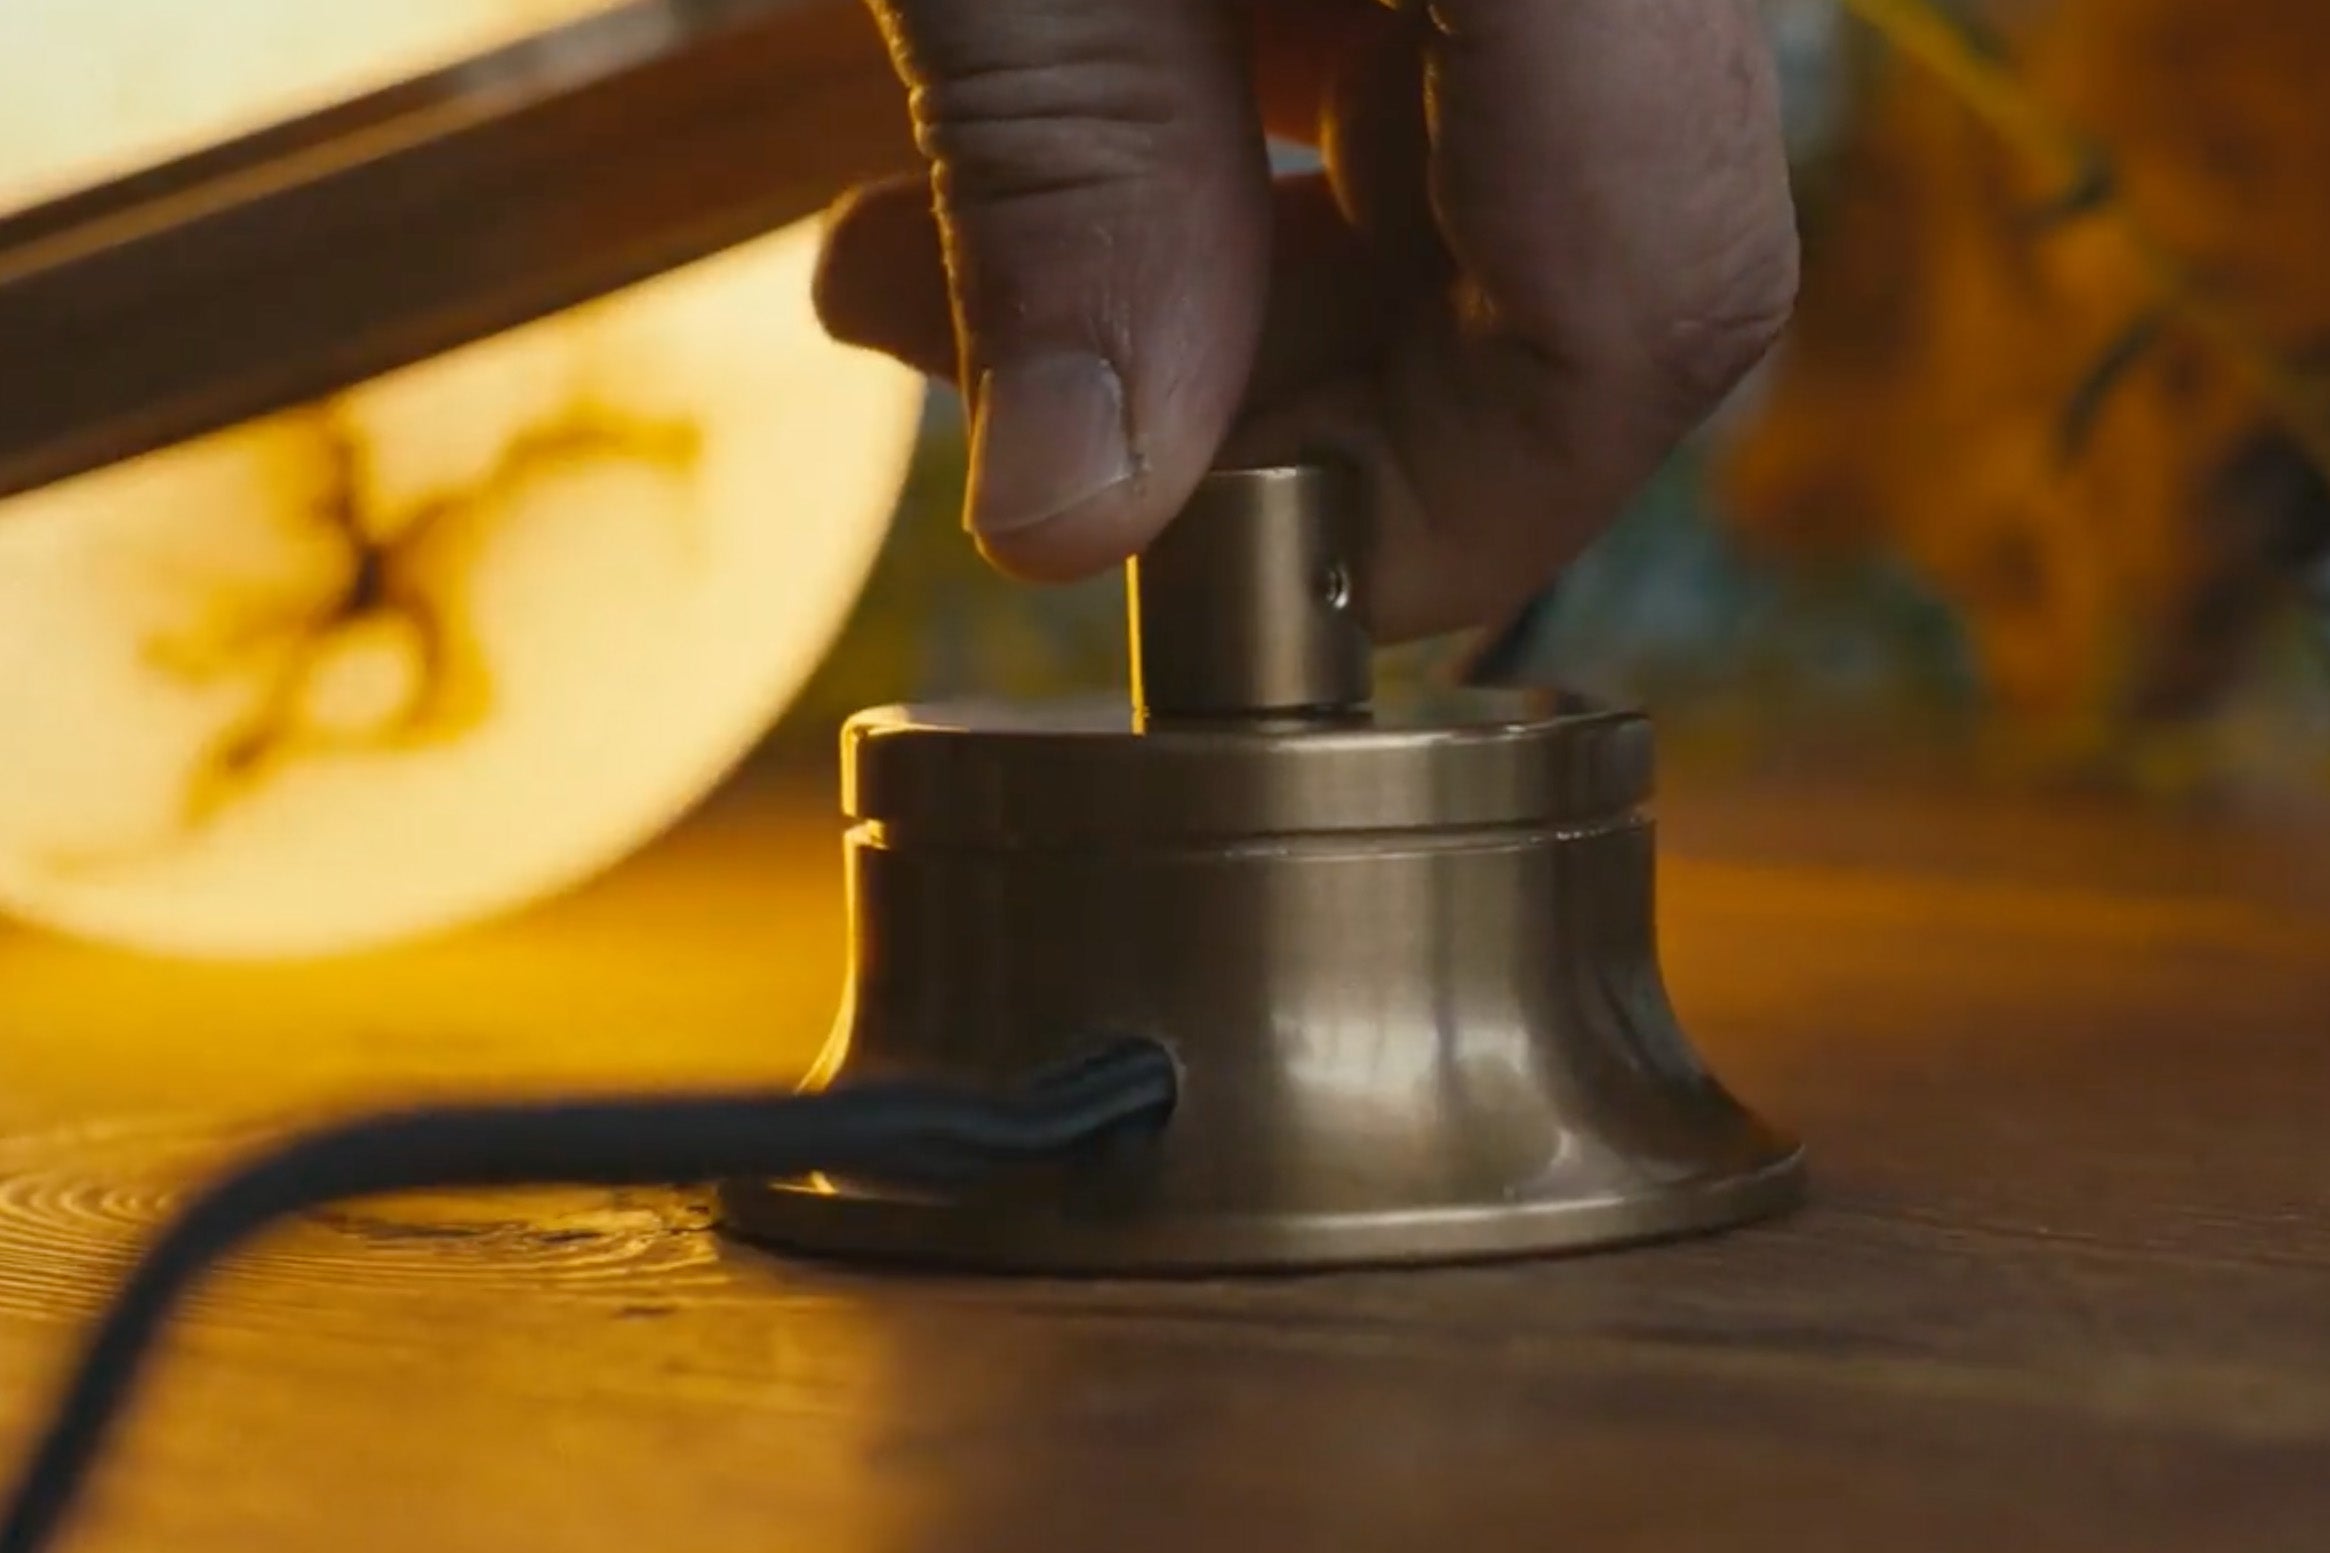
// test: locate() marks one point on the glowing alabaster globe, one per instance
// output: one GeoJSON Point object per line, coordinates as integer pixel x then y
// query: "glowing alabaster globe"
{"type": "Point", "coordinates": [445, 643]}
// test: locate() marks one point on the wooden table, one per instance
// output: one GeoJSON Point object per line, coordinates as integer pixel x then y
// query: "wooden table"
{"type": "Point", "coordinates": [2065, 1285]}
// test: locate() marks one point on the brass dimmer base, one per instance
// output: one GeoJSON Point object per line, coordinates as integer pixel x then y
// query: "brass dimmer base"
{"type": "Point", "coordinates": [1409, 970]}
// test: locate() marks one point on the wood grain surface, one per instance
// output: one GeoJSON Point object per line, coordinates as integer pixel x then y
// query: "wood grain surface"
{"type": "Point", "coordinates": [2065, 1283]}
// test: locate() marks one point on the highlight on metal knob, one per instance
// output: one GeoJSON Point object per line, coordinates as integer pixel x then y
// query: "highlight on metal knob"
{"type": "Point", "coordinates": [1248, 605]}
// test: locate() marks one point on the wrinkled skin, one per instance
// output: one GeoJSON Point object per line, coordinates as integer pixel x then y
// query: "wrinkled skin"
{"type": "Point", "coordinates": [1551, 236]}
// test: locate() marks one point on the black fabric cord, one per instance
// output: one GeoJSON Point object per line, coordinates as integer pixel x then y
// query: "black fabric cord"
{"type": "Point", "coordinates": [875, 1131]}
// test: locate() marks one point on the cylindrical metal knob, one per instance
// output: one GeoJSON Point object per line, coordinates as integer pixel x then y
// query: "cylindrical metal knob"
{"type": "Point", "coordinates": [1248, 604]}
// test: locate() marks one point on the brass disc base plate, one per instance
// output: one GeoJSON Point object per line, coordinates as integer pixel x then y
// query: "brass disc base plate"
{"type": "Point", "coordinates": [899, 1229]}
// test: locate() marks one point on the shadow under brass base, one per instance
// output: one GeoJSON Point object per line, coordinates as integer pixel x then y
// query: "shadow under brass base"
{"type": "Point", "coordinates": [1406, 965]}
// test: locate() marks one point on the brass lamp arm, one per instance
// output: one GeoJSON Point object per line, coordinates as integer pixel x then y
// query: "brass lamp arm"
{"type": "Point", "coordinates": [281, 266]}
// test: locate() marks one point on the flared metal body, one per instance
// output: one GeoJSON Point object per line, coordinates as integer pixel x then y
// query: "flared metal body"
{"type": "Point", "coordinates": [1409, 971]}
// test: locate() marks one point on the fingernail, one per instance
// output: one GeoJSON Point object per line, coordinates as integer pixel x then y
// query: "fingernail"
{"type": "Point", "coordinates": [1048, 436]}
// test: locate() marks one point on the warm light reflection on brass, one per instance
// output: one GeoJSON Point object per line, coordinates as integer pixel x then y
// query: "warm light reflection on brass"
{"type": "Point", "coordinates": [1409, 966]}
{"type": "Point", "coordinates": [444, 643]}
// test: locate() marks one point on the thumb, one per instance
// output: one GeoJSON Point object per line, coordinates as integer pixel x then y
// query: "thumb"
{"type": "Point", "coordinates": [1103, 191]}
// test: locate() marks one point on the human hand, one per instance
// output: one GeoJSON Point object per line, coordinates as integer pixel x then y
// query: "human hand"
{"type": "Point", "coordinates": [1551, 236]}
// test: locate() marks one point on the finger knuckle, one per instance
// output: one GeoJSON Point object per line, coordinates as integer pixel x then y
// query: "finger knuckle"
{"type": "Point", "coordinates": [1730, 287]}
{"type": "Point", "coordinates": [1714, 329]}
{"type": "Point", "coordinates": [1004, 129]}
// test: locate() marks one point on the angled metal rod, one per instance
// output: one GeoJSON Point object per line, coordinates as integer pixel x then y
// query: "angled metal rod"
{"type": "Point", "coordinates": [270, 270]}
